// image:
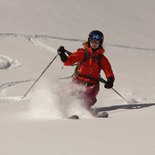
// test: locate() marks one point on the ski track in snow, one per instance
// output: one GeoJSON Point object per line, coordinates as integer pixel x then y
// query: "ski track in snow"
{"type": "Point", "coordinates": [7, 63]}
{"type": "Point", "coordinates": [12, 83]}
{"type": "Point", "coordinates": [10, 99]}
{"type": "Point", "coordinates": [42, 45]}
{"type": "Point", "coordinates": [44, 36]}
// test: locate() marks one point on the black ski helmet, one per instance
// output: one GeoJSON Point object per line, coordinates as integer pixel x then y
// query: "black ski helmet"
{"type": "Point", "coordinates": [96, 35]}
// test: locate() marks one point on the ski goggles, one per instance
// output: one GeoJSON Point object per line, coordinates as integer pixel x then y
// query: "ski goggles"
{"type": "Point", "coordinates": [95, 41]}
{"type": "Point", "coordinates": [96, 37]}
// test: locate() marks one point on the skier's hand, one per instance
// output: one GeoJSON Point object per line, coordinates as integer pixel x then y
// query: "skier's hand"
{"type": "Point", "coordinates": [110, 82]}
{"type": "Point", "coordinates": [61, 51]}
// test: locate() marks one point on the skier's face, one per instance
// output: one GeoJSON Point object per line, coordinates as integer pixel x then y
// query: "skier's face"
{"type": "Point", "coordinates": [94, 44]}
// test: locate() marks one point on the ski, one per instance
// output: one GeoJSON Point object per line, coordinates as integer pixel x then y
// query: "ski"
{"type": "Point", "coordinates": [99, 114]}
{"type": "Point", "coordinates": [102, 114]}
{"type": "Point", "coordinates": [74, 117]}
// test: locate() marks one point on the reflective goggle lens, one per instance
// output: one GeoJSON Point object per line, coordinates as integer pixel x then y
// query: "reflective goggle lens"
{"type": "Point", "coordinates": [96, 37]}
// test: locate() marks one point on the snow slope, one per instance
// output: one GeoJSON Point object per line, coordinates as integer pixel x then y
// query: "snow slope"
{"type": "Point", "coordinates": [30, 33]}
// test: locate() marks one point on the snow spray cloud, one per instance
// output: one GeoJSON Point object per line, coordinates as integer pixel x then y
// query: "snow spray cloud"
{"type": "Point", "coordinates": [72, 99]}
{"type": "Point", "coordinates": [45, 102]}
{"type": "Point", "coordinates": [54, 100]}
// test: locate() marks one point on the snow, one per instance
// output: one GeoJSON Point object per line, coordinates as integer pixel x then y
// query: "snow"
{"type": "Point", "coordinates": [30, 33]}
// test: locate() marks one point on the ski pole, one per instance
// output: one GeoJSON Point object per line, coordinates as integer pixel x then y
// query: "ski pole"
{"type": "Point", "coordinates": [120, 95]}
{"type": "Point", "coordinates": [104, 81]}
{"type": "Point", "coordinates": [39, 77]}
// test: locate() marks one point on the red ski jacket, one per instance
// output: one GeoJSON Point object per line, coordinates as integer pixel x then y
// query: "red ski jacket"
{"type": "Point", "coordinates": [89, 70]}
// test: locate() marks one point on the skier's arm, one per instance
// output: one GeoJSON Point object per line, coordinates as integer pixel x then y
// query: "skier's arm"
{"type": "Point", "coordinates": [106, 67]}
{"type": "Point", "coordinates": [72, 58]}
{"type": "Point", "coordinates": [75, 57]}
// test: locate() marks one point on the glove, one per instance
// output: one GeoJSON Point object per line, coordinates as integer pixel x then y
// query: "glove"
{"type": "Point", "coordinates": [109, 84]}
{"type": "Point", "coordinates": [61, 51]}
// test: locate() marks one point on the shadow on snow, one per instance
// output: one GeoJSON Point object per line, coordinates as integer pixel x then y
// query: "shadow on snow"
{"type": "Point", "coordinates": [125, 107]}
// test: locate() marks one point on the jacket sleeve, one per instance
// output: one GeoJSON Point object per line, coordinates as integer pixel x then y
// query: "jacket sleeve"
{"type": "Point", "coordinates": [75, 57]}
{"type": "Point", "coordinates": [106, 67]}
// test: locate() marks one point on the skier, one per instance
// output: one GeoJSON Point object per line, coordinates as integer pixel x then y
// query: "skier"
{"type": "Point", "coordinates": [90, 61]}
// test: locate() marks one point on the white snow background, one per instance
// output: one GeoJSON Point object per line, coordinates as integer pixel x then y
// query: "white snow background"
{"type": "Point", "coordinates": [30, 33]}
